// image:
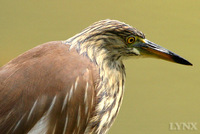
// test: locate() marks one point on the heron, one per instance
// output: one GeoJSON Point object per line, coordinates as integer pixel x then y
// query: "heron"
{"type": "Point", "coordinates": [74, 86]}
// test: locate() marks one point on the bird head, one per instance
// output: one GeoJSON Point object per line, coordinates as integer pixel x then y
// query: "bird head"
{"type": "Point", "coordinates": [120, 40]}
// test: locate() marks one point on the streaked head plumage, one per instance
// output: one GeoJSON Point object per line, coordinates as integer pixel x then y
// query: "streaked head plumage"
{"type": "Point", "coordinates": [114, 27]}
{"type": "Point", "coordinates": [111, 35]}
{"type": "Point", "coordinates": [121, 40]}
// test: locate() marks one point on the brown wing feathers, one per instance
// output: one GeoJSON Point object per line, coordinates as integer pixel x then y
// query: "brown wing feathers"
{"type": "Point", "coordinates": [45, 85]}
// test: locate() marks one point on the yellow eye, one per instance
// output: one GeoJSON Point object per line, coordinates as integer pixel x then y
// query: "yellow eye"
{"type": "Point", "coordinates": [130, 40]}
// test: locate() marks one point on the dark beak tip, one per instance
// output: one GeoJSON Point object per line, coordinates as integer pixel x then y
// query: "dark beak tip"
{"type": "Point", "coordinates": [181, 60]}
{"type": "Point", "coordinates": [188, 63]}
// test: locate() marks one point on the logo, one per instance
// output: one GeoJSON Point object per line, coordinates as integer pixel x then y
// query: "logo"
{"type": "Point", "coordinates": [183, 126]}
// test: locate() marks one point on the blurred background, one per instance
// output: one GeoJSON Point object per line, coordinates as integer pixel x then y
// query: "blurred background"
{"type": "Point", "coordinates": [157, 92]}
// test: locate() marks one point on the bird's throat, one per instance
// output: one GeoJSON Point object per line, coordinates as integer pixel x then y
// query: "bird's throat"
{"type": "Point", "coordinates": [110, 89]}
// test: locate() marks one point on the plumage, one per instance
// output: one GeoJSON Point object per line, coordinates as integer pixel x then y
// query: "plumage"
{"type": "Point", "coordinates": [50, 94]}
{"type": "Point", "coordinates": [74, 86]}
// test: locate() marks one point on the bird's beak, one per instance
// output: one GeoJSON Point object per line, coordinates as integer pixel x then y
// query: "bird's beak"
{"type": "Point", "coordinates": [149, 48]}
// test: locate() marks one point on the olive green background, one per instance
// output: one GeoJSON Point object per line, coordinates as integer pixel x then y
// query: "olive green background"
{"type": "Point", "coordinates": [157, 92]}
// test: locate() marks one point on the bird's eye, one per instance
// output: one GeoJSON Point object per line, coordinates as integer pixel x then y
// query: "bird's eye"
{"type": "Point", "coordinates": [130, 40]}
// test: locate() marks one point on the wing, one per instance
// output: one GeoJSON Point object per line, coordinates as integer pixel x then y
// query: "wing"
{"type": "Point", "coordinates": [48, 89]}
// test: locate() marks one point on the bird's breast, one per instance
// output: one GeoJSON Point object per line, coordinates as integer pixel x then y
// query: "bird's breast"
{"type": "Point", "coordinates": [109, 98]}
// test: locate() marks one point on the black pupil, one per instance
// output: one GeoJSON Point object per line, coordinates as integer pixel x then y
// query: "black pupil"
{"type": "Point", "coordinates": [131, 40]}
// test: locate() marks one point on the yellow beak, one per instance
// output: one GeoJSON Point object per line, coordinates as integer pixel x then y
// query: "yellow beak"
{"type": "Point", "coordinates": [149, 48]}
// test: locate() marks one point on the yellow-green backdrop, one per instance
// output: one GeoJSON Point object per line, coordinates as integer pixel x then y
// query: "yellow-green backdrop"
{"type": "Point", "coordinates": [157, 92]}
